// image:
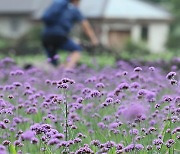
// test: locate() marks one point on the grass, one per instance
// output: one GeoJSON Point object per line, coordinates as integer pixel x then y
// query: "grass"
{"type": "Point", "coordinates": [41, 59]}
{"type": "Point", "coordinates": [166, 55]}
{"type": "Point", "coordinates": [98, 61]}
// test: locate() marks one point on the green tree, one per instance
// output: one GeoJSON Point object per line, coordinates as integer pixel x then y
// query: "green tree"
{"type": "Point", "coordinates": [157, 1]}
{"type": "Point", "coordinates": [174, 37]}
{"type": "Point", "coordinates": [174, 7]}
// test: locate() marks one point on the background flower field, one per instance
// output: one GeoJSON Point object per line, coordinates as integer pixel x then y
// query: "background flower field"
{"type": "Point", "coordinates": [118, 100]}
{"type": "Point", "coordinates": [123, 108]}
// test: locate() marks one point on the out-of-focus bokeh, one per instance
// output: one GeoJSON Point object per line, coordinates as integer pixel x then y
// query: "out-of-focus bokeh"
{"type": "Point", "coordinates": [129, 29]}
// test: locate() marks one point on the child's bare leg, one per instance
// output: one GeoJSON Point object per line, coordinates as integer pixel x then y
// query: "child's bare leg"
{"type": "Point", "coordinates": [73, 59]}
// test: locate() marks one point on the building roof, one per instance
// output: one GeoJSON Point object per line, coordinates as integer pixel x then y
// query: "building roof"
{"type": "Point", "coordinates": [16, 6]}
{"type": "Point", "coordinates": [108, 9]}
{"type": "Point", "coordinates": [123, 9]}
{"type": "Point", "coordinates": [32, 7]}
{"type": "Point", "coordinates": [40, 7]}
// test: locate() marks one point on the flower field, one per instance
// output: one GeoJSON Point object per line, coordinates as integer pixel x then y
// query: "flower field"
{"type": "Point", "coordinates": [125, 109]}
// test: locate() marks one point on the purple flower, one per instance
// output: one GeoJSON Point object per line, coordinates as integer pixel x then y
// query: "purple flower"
{"type": "Point", "coordinates": [6, 143]}
{"type": "Point", "coordinates": [32, 110]}
{"type": "Point", "coordinates": [95, 93]}
{"type": "Point", "coordinates": [139, 147]}
{"type": "Point", "coordinates": [150, 96]}
{"type": "Point", "coordinates": [28, 135]}
{"type": "Point", "coordinates": [123, 86]}
{"type": "Point", "coordinates": [95, 142]}
{"type": "Point", "coordinates": [129, 148]}
{"type": "Point", "coordinates": [135, 85]}
{"type": "Point", "coordinates": [152, 68]}
{"type": "Point", "coordinates": [18, 143]}
{"type": "Point", "coordinates": [59, 136]}
{"type": "Point", "coordinates": [2, 125]}
{"type": "Point", "coordinates": [100, 85]}
{"type": "Point", "coordinates": [157, 142]}
{"type": "Point", "coordinates": [119, 146]}
{"type": "Point", "coordinates": [171, 75]}
{"type": "Point", "coordinates": [85, 149]}
{"type": "Point", "coordinates": [6, 121]}
{"type": "Point", "coordinates": [63, 86]}
{"type": "Point", "coordinates": [149, 147]}
{"type": "Point", "coordinates": [110, 144]}
{"type": "Point", "coordinates": [2, 149]}
{"type": "Point", "coordinates": [109, 100]}
{"type": "Point", "coordinates": [34, 140]}
{"type": "Point", "coordinates": [134, 131]}
{"type": "Point", "coordinates": [77, 140]}
{"type": "Point", "coordinates": [53, 141]}
{"type": "Point", "coordinates": [101, 125]}
{"type": "Point", "coordinates": [113, 125]}
{"type": "Point", "coordinates": [137, 69]}
{"type": "Point", "coordinates": [134, 111]}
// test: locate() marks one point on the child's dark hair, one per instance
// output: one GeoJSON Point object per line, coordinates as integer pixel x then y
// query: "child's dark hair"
{"type": "Point", "coordinates": [71, 1]}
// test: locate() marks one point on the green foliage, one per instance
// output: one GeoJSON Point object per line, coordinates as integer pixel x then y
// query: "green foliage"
{"type": "Point", "coordinates": [173, 7]}
{"type": "Point", "coordinates": [30, 43]}
{"type": "Point", "coordinates": [155, 1]}
{"type": "Point", "coordinates": [133, 50]}
{"type": "Point", "coordinates": [6, 45]}
{"type": "Point", "coordinates": [174, 37]}
{"type": "Point", "coordinates": [3, 43]}
{"type": "Point", "coordinates": [100, 60]}
{"type": "Point", "coordinates": [159, 2]}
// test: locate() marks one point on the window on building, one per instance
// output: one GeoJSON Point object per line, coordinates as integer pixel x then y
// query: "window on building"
{"type": "Point", "coordinates": [119, 38]}
{"type": "Point", "coordinates": [144, 33]}
{"type": "Point", "coordinates": [14, 24]}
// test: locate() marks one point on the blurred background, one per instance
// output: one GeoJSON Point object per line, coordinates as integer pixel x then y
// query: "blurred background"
{"type": "Point", "coordinates": [146, 30]}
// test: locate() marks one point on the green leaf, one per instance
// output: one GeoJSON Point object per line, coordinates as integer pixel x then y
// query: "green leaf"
{"type": "Point", "coordinates": [165, 135]}
{"type": "Point", "coordinates": [37, 117]}
{"type": "Point", "coordinates": [12, 149]}
{"type": "Point", "coordinates": [176, 145]}
{"type": "Point", "coordinates": [163, 149]}
{"type": "Point", "coordinates": [113, 151]}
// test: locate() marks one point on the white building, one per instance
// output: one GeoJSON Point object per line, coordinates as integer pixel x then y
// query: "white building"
{"type": "Point", "coordinates": [116, 21]}
{"type": "Point", "coordinates": [18, 16]}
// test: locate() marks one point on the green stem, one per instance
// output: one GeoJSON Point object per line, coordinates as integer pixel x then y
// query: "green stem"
{"type": "Point", "coordinates": [66, 117]}
{"type": "Point", "coordinates": [66, 120]}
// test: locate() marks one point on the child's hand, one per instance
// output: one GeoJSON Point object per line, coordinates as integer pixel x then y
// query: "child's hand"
{"type": "Point", "coordinates": [95, 42]}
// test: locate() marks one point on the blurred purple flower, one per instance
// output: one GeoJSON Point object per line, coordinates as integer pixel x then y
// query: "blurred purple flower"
{"type": "Point", "coordinates": [134, 111]}
{"type": "Point", "coordinates": [28, 135]}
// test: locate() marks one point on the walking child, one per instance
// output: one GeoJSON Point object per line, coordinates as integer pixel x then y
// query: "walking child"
{"type": "Point", "coordinates": [59, 19]}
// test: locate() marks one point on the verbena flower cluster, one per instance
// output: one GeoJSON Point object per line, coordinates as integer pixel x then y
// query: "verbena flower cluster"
{"type": "Point", "coordinates": [124, 109]}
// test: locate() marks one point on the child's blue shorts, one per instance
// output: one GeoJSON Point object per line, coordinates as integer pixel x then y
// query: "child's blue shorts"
{"type": "Point", "coordinates": [70, 45]}
{"type": "Point", "coordinates": [53, 44]}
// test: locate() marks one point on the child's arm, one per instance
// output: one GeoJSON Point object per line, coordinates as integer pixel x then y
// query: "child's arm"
{"type": "Point", "coordinates": [90, 32]}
